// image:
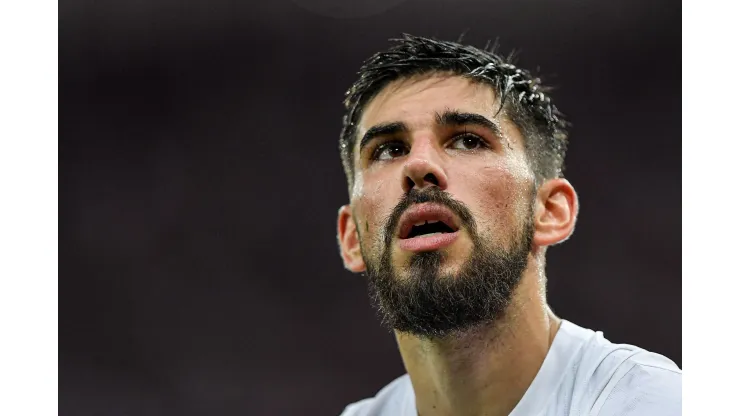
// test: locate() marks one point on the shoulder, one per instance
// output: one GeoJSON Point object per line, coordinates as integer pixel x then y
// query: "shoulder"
{"type": "Point", "coordinates": [646, 384]}
{"type": "Point", "coordinates": [391, 400]}
{"type": "Point", "coordinates": [622, 379]}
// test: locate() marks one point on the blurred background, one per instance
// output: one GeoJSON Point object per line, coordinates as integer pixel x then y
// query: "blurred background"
{"type": "Point", "coordinates": [200, 181]}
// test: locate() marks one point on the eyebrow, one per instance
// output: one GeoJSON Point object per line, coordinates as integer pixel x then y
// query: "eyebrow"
{"type": "Point", "coordinates": [457, 118]}
{"type": "Point", "coordinates": [447, 119]}
{"type": "Point", "coordinates": [384, 129]}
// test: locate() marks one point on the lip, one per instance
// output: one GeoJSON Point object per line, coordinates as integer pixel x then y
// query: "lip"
{"type": "Point", "coordinates": [426, 212]}
{"type": "Point", "coordinates": [428, 242]}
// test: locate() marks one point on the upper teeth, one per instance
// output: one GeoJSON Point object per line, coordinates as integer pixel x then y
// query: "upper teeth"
{"type": "Point", "coordinates": [425, 222]}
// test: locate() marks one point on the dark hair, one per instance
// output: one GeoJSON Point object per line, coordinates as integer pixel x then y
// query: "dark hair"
{"type": "Point", "coordinates": [522, 96]}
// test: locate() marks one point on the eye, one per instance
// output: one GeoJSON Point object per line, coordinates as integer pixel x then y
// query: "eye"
{"type": "Point", "coordinates": [390, 150]}
{"type": "Point", "coordinates": [468, 141]}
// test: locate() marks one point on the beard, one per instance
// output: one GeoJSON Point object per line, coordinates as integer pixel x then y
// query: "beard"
{"type": "Point", "coordinates": [430, 304]}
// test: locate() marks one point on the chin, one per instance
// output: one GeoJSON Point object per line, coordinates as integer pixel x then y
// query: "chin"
{"type": "Point", "coordinates": [441, 262]}
{"type": "Point", "coordinates": [450, 270]}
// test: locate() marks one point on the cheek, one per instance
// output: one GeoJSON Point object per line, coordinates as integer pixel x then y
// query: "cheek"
{"type": "Point", "coordinates": [500, 198]}
{"type": "Point", "coordinates": [372, 209]}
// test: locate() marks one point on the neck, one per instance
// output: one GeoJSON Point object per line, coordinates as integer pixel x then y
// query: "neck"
{"type": "Point", "coordinates": [487, 369]}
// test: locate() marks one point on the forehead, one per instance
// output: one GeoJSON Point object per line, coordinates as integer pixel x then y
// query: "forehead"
{"type": "Point", "coordinates": [415, 101]}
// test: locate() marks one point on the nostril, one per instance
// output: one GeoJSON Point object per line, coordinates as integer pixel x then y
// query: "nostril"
{"type": "Point", "coordinates": [409, 183]}
{"type": "Point", "coordinates": [431, 178]}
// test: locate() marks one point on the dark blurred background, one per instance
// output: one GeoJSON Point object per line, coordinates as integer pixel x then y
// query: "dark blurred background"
{"type": "Point", "coordinates": [200, 181]}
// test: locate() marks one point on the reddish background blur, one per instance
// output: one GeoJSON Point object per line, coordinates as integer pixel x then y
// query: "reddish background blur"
{"type": "Point", "coordinates": [200, 181]}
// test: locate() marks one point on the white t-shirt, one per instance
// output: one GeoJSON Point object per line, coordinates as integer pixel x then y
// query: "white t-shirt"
{"type": "Point", "coordinates": [583, 375]}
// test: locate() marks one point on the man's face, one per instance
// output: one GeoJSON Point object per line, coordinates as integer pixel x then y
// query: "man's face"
{"type": "Point", "coordinates": [442, 202]}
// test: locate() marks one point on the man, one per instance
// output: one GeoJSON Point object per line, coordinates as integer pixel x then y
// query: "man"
{"type": "Point", "coordinates": [454, 161]}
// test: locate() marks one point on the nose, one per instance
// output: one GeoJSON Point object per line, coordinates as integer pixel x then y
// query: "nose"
{"type": "Point", "coordinates": [423, 167]}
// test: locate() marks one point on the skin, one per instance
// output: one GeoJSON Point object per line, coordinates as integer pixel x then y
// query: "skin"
{"type": "Point", "coordinates": [488, 369]}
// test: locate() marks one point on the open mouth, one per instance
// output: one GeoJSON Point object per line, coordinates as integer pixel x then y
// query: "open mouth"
{"type": "Point", "coordinates": [426, 220]}
{"type": "Point", "coordinates": [429, 228]}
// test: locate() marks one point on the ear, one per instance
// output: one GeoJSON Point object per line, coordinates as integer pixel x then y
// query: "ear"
{"type": "Point", "coordinates": [555, 213]}
{"type": "Point", "coordinates": [349, 241]}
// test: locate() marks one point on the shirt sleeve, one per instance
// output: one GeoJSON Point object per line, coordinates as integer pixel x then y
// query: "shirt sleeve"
{"type": "Point", "coordinates": [357, 409]}
{"type": "Point", "coordinates": [644, 390]}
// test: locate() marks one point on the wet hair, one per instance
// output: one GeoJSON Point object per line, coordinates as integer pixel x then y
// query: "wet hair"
{"type": "Point", "coordinates": [521, 95]}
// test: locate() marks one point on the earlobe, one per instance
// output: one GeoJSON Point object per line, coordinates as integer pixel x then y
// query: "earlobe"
{"type": "Point", "coordinates": [555, 213]}
{"type": "Point", "coordinates": [349, 243]}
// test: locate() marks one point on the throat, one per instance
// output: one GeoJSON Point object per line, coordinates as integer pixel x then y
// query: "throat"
{"type": "Point", "coordinates": [485, 370]}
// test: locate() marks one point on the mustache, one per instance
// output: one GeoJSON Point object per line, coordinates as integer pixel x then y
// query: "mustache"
{"type": "Point", "coordinates": [432, 195]}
